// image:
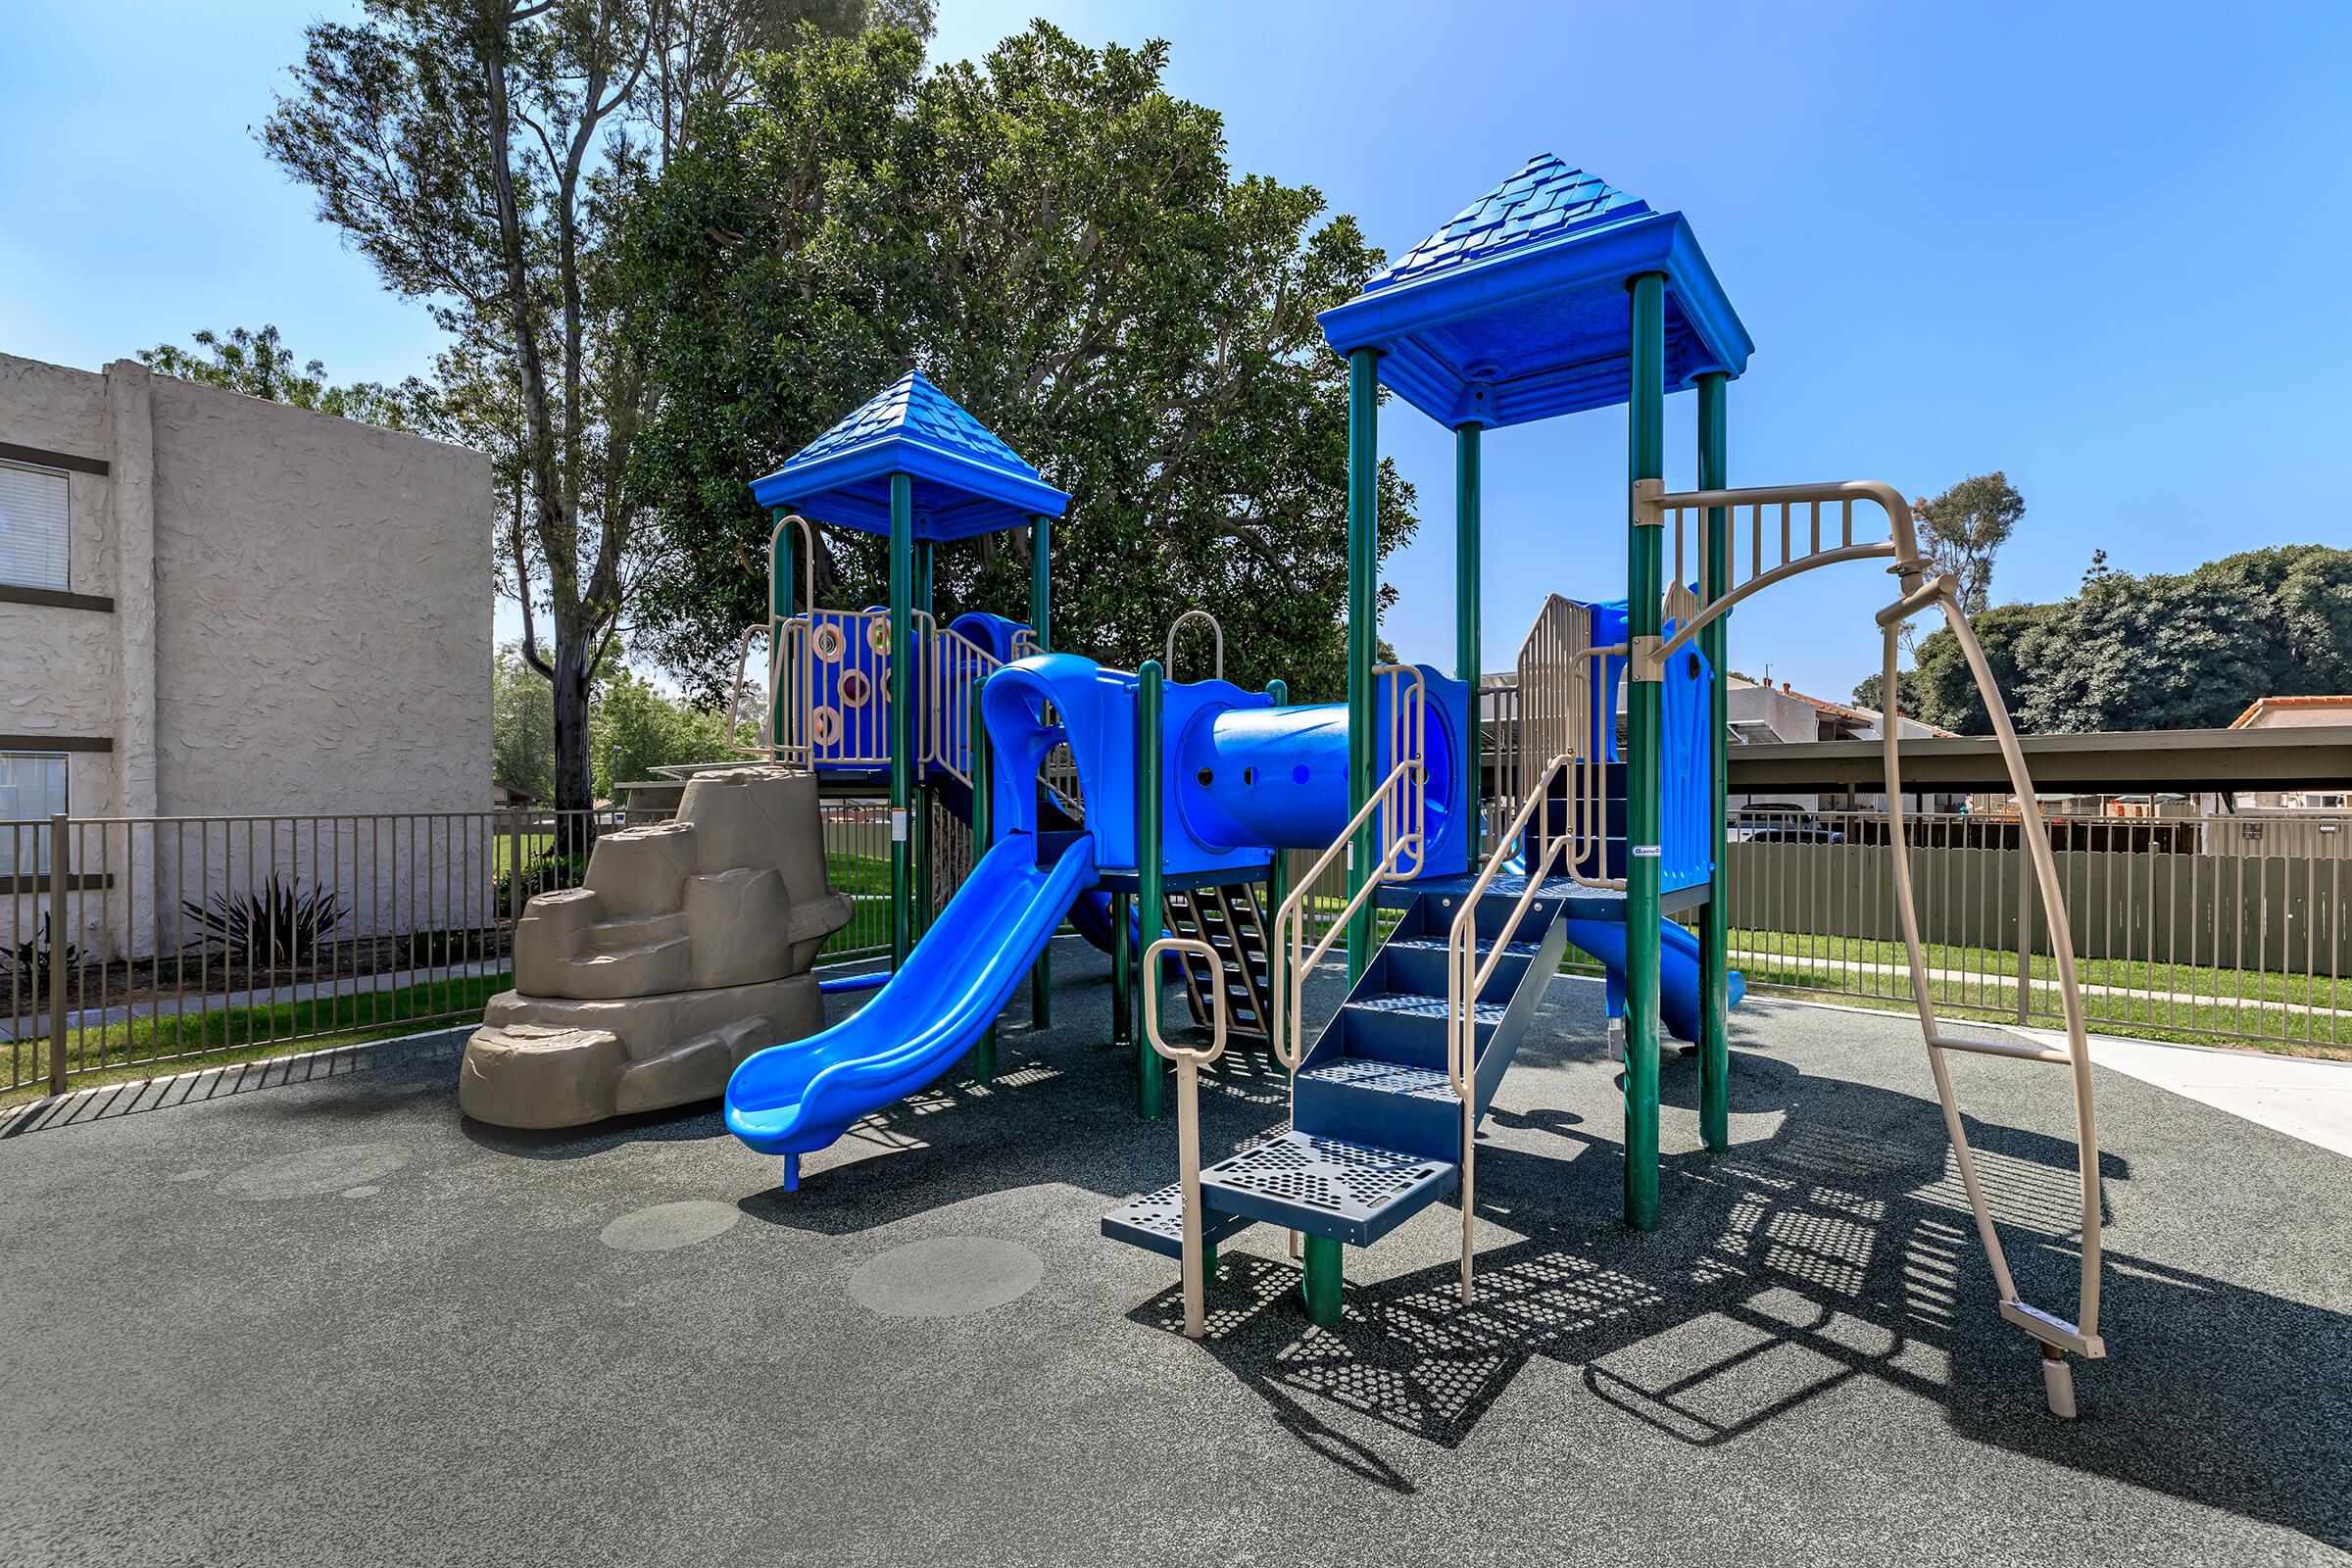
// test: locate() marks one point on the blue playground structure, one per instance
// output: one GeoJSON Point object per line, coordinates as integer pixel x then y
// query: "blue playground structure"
{"type": "Point", "coordinates": [1460, 850]}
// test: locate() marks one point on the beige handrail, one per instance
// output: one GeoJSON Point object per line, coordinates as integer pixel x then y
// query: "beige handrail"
{"type": "Point", "coordinates": [1216, 630]}
{"type": "Point", "coordinates": [1463, 985]}
{"type": "Point", "coordinates": [1189, 1063]}
{"type": "Point", "coordinates": [1588, 798]}
{"type": "Point", "coordinates": [1400, 802]}
{"type": "Point", "coordinates": [743, 660]}
{"type": "Point", "coordinates": [1289, 923]}
{"type": "Point", "coordinates": [778, 747]}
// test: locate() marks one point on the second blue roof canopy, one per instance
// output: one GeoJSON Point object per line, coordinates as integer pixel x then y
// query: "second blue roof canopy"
{"type": "Point", "coordinates": [965, 480]}
{"type": "Point", "coordinates": [1517, 309]}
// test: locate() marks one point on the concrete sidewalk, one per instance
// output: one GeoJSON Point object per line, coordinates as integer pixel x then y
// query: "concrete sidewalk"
{"type": "Point", "coordinates": [2309, 1097]}
{"type": "Point", "coordinates": [2302, 1096]}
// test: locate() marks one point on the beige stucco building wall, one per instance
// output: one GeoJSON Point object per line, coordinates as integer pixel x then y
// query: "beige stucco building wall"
{"type": "Point", "coordinates": [271, 612]}
{"type": "Point", "coordinates": [322, 633]}
{"type": "Point", "coordinates": [297, 608]}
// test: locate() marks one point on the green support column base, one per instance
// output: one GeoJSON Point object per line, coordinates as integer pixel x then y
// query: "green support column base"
{"type": "Point", "coordinates": [1041, 992]}
{"type": "Point", "coordinates": [1209, 1262]}
{"type": "Point", "coordinates": [984, 1058]}
{"type": "Point", "coordinates": [1152, 1082]}
{"type": "Point", "coordinates": [1123, 969]}
{"type": "Point", "coordinates": [1323, 1280]}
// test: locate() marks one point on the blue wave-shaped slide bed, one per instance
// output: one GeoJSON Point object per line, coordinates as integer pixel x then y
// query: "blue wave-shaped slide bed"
{"type": "Point", "coordinates": [800, 1097]}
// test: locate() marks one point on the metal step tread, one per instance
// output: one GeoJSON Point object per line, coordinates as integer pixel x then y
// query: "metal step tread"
{"type": "Point", "coordinates": [1425, 1006]}
{"type": "Point", "coordinates": [1386, 1077]}
{"type": "Point", "coordinates": [1326, 1186]}
{"type": "Point", "coordinates": [1155, 1222]}
{"type": "Point", "coordinates": [1518, 949]}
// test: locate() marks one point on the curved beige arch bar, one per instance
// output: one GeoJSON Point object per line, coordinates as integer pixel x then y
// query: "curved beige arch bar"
{"type": "Point", "coordinates": [1920, 592]}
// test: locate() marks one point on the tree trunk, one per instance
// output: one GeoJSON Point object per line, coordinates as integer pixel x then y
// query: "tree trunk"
{"type": "Point", "coordinates": [575, 791]}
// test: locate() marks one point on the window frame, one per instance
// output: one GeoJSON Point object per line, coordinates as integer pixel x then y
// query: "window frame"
{"type": "Point", "coordinates": [40, 840]}
{"type": "Point", "coordinates": [66, 476]}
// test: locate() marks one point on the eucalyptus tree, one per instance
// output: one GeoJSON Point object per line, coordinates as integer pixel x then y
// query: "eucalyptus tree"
{"type": "Point", "coordinates": [482, 154]}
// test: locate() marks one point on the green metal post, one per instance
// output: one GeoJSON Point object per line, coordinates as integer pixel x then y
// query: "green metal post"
{"type": "Point", "coordinates": [902, 716]}
{"type": "Point", "coordinates": [1466, 626]}
{"type": "Point", "coordinates": [1122, 968]}
{"type": "Point", "coordinates": [1714, 641]}
{"type": "Point", "coordinates": [1152, 1086]}
{"type": "Point", "coordinates": [1646, 422]}
{"type": "Point", "coordinates": [927, 662]}
{"type": "Point", "coordinates": [1041, 620]}
{"type": "Point", "coordinates": [1278, 888]}
{"type": "Point", "coordinates": [1363, 630]}
{"type": "Point", "coordinates": [983, 1061]}
{"type": "Point", "coordinates": [1324, 1276]}
{"type": "Point", "coordinates": [1041, 580]}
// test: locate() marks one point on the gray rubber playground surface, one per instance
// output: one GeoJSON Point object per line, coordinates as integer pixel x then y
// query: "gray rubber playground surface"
{"type": "Point", "coordinates": [330, 1323]}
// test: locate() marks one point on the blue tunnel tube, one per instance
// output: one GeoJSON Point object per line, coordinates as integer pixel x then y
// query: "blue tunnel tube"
{"type": "Point", "coordinates": [1276, 777]}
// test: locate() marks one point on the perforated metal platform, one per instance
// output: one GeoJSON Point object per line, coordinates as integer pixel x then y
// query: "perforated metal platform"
{"type": "Point", "coordinates": [1326, 1187]}
{"type": "Point", "coordinates": [1426, 1007]}
{"type": "Point", "coordinates": [1386, 1077]}
{"type": "Point", "coordinates": [1155, 1222]}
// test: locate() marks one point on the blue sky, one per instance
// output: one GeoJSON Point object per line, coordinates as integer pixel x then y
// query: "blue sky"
{"type": "Point", "coordinates": [2100, 247]}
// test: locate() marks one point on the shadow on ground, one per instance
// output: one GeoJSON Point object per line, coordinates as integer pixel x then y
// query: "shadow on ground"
{"type": "Point", "coordinates": [1830, 1247]}
{"type": "Point", "coordinates": [1839, 1247]}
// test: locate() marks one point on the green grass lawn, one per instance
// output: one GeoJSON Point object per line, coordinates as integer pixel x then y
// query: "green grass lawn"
{"type": "Point", "coordinates": [2262, 1009]}
{"type": "Point", "coordinates": [503, 848]}
{"type": "Point", "coordinates": [152, 1047]}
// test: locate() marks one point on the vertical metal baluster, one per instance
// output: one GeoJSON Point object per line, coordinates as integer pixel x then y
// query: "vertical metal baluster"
{"type": "Point", "coordinates": [61, 860]}
{"type": "Point", "coordinates": [20, 877]}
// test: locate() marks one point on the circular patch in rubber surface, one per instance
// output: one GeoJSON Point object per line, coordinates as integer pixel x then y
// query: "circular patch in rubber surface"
{"type": "Point", "coordinates": [667, 1227]}
{"type": "Point", "coordinates": [947, 1276]}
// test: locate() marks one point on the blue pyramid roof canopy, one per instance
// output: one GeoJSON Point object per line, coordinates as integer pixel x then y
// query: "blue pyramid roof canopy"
{"type": "Point", "coordinates": [1517, 309]}
{"type": "Point", "coordinates": [967, 481]}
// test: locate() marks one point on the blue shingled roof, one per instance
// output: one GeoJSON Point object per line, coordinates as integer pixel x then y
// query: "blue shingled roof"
{"type": "Point", "coordinates": [966, 480]}
{"type": "Point", "coordinates": [1517, 309]}
{"type": "Point", "coordinates": [1542, 202]}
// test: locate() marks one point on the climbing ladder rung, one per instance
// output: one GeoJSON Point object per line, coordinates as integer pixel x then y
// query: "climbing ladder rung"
{"type": "Point", "coordinates": [1228, 920]}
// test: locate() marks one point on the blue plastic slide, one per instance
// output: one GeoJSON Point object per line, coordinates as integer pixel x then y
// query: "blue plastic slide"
{"type": "Point", "coordinates": [1678, 968]}
{"type": "Point", "coordinates": [796, 1098]}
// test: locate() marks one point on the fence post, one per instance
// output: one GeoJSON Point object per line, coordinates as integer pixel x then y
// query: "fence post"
{"type": "Point", "coordinates": [514, 868]}
{"type": "Point", "coordinates": [2025, 929]}
{"type": "Point", "coordinates": [60, 858]}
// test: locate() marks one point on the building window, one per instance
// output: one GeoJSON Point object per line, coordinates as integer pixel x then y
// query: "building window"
{"type": "Point", "coordinates": [33, 789]}
{"type": "Point", "coordinates": [32, 527]}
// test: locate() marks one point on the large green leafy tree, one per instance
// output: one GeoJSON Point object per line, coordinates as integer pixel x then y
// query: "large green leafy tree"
{"type": "Point", "coordinates": [1060, 244]}
{"type": "Point", "coordinates": [633, 727]}
{"type": "Point", "coordinates": [2172, 652]}
{"type": "Point", "coordinates": [2154, 651]}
